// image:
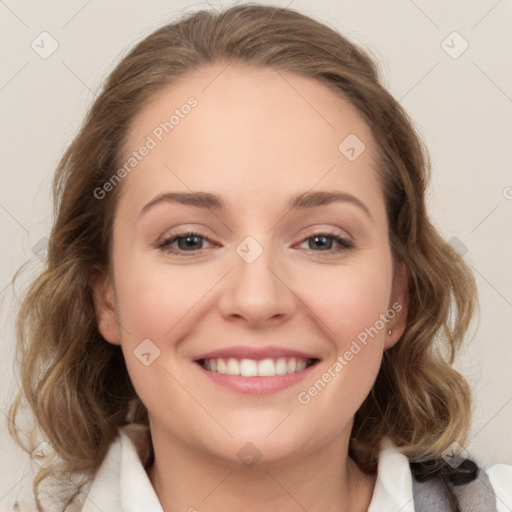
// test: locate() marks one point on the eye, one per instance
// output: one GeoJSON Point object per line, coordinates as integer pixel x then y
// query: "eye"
{"type": "Point", "coordinates": [192, 243]}
{"type": "Point", "coordinates": [186, 242]}
{"type": "Point", "coordinates": [328, 243]}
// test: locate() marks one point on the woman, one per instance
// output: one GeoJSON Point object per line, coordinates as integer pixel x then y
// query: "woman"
{"type": "Point", "coordinates": [244, 295]}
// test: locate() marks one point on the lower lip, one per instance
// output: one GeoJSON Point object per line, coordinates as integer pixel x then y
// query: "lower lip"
{"type": "Point", "coordinates": [257, 385]}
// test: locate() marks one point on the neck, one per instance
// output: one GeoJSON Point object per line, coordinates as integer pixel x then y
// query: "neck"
{"type": "Point", "coordinates": [327, 480]}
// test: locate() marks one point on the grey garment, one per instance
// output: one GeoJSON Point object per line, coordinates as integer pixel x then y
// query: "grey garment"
{"type": "Point", "coordinates": [476, 496]}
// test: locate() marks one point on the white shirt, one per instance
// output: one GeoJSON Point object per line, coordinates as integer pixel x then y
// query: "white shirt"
{"type": "Point", "coordinates": [122, 485]}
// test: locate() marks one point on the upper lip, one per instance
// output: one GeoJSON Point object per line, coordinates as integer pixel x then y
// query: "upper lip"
{"type": "Point", "coordinates": [256, 353]}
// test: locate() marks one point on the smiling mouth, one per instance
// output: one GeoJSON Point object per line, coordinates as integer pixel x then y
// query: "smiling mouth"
{"type": "Point", "coordinates": [269, 367]}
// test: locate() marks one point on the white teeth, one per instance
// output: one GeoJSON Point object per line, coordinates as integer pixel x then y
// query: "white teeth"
{"type": "Point", "coordinates": [266, 368]}
{"type": "Point", "coordinates": [221, 366]}
{"type": "Point", "coordinates": [233, 367]}
{"type": "Point", "coordinates": [248, 368]}
{"type": "Point", "coordinates": [301, 365]}
{"type": "Point", "coordinates": [292, 365]}
{"type": "Point", "coordinates": [252, 368]}
{"type": "Point", "coordinates": [281, 366]}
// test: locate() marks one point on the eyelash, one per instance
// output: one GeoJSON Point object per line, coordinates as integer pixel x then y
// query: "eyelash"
{"type": "Point", "coordinates": [165, 245]}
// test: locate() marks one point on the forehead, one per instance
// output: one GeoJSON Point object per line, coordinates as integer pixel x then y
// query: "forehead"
{"type": "Point", "coordinates": [252, 128]}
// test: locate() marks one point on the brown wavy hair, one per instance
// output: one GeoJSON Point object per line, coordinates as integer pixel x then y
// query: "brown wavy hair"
{"type": "Point", "coordinates": [77, 385]}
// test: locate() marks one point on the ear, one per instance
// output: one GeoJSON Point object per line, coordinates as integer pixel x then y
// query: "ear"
{"type": "Point", "coordinates": [398, 303]}
{"type": "Point", "coordinates": [104, 304]}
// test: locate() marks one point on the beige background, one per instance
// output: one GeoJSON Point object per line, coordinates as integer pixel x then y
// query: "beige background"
{"type": "Point", "coordinates": [462, 106]}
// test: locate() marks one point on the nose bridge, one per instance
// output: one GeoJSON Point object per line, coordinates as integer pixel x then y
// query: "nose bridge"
{"type": "Point", "coordinates": [257, 290]}
{"type": "Point", "coordinates": [255, 267]}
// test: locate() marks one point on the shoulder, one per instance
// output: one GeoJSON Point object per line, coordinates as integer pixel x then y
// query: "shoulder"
{"type": "Point", "coordinates": [397, 487]}
{"type": "Point", "coordinates": [121, 480]}
{"type": "Point", "coordinates": [465, 484]}
{"type": "Point", "coordinates": [500, 478]}
{"type": "Point", "coordinates": [63, 492]}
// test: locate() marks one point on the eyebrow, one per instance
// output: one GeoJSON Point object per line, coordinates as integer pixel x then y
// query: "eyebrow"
{"type": "Point", "coordinates": [301, 201]}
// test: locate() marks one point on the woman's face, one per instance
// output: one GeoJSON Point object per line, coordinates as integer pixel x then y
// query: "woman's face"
{"type": "Point", "coordinates": [266, 169]}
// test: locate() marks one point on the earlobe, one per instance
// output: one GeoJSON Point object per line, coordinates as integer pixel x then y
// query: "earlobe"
{"type": "Point", "coordinates": [104, 305]}
{"type": "Point", "coordinates": [398, 307]}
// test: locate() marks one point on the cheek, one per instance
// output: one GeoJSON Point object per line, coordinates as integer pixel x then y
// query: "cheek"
{"type": "Point", "coordinates": [351, 307]}
{"type": "Point", "coordinates": [156, 310]}
{"type": "Point", "coordinates": [157, 301]}
{"type": "Point", "coordinates": [152, 300]}
{"type": "Point", "coordinates": [348, 300]}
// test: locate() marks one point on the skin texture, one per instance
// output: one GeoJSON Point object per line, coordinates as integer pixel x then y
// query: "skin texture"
{"type": "Point", "coordinates": [256, 137]}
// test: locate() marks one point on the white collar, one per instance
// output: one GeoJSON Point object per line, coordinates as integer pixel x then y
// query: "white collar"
{"type": "Point", "coordinates": [122, 484]}
{"type": "Point", "coordinates": [393, 488]}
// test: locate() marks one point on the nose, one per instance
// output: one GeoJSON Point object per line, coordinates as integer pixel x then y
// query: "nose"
{"type": "Point", "coordinates": [257, 293]}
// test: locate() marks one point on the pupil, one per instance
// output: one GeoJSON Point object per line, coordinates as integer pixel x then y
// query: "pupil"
{"type": "Point", "coordinates": [188, 244]}
{"type": "Point", "coordinates": [323, 238]}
